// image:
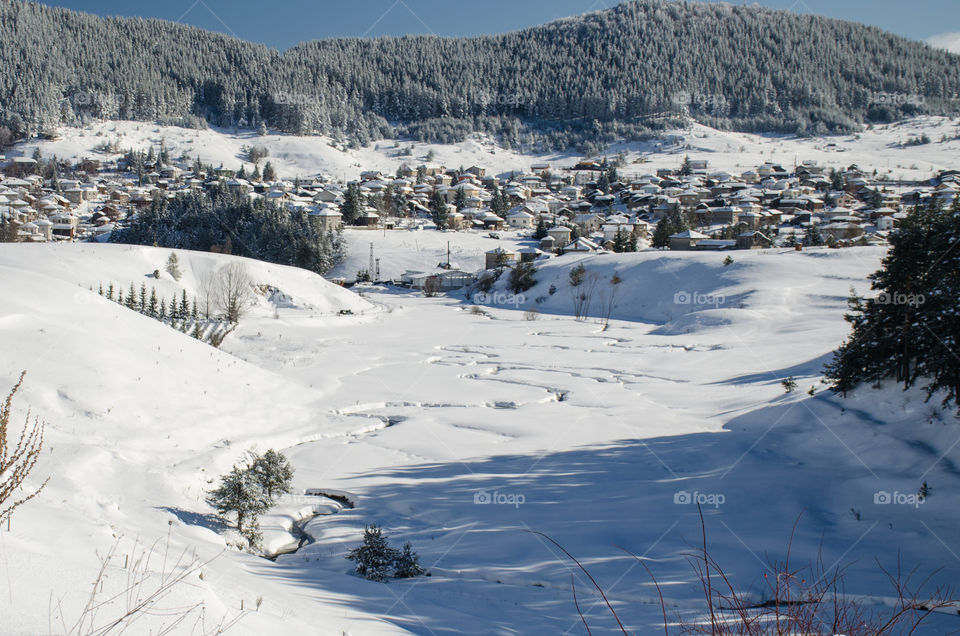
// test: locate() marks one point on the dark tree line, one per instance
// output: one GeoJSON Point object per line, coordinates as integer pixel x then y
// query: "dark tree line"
{"type": "Point", "coordinates": [910, 332]}
{"type": "Point", "coordinates": [232, 223]}
{"type": "Point", "coordinates": [616, 73]}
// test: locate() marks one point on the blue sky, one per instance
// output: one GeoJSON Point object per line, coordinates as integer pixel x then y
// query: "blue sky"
{"type": "Point", "coordinates": [284, 23]}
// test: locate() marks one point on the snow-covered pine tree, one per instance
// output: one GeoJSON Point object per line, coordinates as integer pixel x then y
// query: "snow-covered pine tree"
{"type": "Point", "coordinates": [407, 564]}
{"type": "Point", "coordinates": [173, 266]}
{"type": "Point", "coordinates": [241, 495]}
{"type": "Point", "coordinates": [375, 558]}
{"type": "Point", "coordinates": [273, 472]}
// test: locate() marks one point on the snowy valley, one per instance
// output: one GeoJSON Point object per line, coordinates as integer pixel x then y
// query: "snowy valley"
{"type": "Point", "coordinates": [464, 431]}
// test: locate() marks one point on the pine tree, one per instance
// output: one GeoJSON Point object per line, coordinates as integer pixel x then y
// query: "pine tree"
{"type": "Point", "coordinates": [132, 297]}
{"type": "Point", "coordinates": [184, 310]}
{"type": "Point", "coordinates": [352, 205]}
{"type": "Point", "coordinates": [661, 235]}
{"type": "Point", "coordinates": [142, 304]}
{"type": "Point", "coordinates": [239, 494]}
{"type": "Point", "coordinates": [273, 472]}
{"type": "Point", "coordinates": [375, 558]}
{"type": "Point", "coordinates": [152, 304]}
{"type": "Point", "coordinates": [173, 266]}
{"type": "Point", "coordinates": [407, 564]}
{"type": "Point", "coordinates": [460, 199]}
{"type": "Point", "coordinates": [541, 230]}
{"type": "Point", "coordinates": [438, 210]}
{"type": "Point", "coordinates": [269, 174]}
{"type": "Point", "coordinates": [910, 330]}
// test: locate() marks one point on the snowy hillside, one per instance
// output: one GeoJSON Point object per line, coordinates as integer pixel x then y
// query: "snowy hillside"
{"type": "Point", "coordinates": [462, 431]}
{"type": "Point", "coordinates": [882, 147]}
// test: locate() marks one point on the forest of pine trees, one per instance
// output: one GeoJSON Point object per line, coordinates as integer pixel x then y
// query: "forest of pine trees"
{"type": "Point", "coordinates": [617, 73]}
{"type": "Point", "coordinates": [222, 221]}
{"type": "Point", "coordinates": [910, 331]}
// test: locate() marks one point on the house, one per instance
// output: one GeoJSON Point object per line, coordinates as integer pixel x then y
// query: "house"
{"type": "Point", "coordinates": [841, 230]}
{"type": "Point", "coordinates": [326, 219]}
{"type": "Point", "coordinates": [687, 240]}
{"type": "Point", "coordinates": [444, 279]}
{"type": "Point", "coordinates": [520, 219]}
{"type": "Point", "coordinates": [560, 234]}
{"type": "Point", "coordinates": [581, 245]}
{"type": "Point", "coordinates": [589, 222]}
{"type": "Point", "coordinates": [368, 219]}
{"type": "Point", "coordinates": [64, 225]}
{"type": "Point", "coordinates": [529, 254]}
{"type": "Point", "coordinates": [753, 240]}
{"type": "Point", "coordinates": [499, 257]}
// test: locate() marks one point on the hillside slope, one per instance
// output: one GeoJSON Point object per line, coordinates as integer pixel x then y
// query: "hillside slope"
{"type": "Point", "coordinates": [599, 76]}
{"type": "Point", "coordinates": [462, 432]}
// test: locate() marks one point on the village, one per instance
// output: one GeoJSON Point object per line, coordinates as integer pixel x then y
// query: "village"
{"type": "Point", "coordinates": [591, 206]}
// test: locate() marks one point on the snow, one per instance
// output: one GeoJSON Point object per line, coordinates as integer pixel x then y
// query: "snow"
{"type": "Point", "coordinates": [879, 147]}
{"type": "Point", "coordinates": [420, 410]}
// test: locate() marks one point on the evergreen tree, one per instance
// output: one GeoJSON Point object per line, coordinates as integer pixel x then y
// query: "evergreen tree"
{"type": "Point", "coordinates": [132, 297]}
{"type": "Point", "coordinates": [375, 558]}
{"type": "Point", "coordinates": [438, 210]}
{"type": "Point", "coordinates": [269, 174]}
{"type": "Point", "coordinates": [687, 167]}
{"type": "Point", "coordinates": [142, 304]}
{"type": "Point", "coordinates": [173, 266]}
{"type": "Point", "coordinates": [910, 330]}
{"type": "Point", "coordinates": [273, 472]}
{"type": "Point", "coordinates": [152, 304]}
{"type": "Point", "coordinates": [460, 199]}
{"type": "Point", "coordinates": [541, 231]}
{"type": "Point", "coordinates": [352, 206]}
{"type": "Point", "coordinates": [240, 494]}
{"type": "Point", "coordinates": [661, 234]}
{"type": "Point", "coordinates": [407, 564]}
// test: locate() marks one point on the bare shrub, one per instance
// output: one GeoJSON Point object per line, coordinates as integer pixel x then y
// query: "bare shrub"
{"type": "Point", "coordinates": [531, 315]}
{"type": "Point", "coordinates": [809, 599]}
{"type": "Point", "coordinates": [17, 460]}
{"type": "Point", "coordinates": [141, 593]}
{"type": "Point", "coordinates": [432, 286]}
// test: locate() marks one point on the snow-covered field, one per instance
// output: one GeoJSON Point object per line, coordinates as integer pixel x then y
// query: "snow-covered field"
{"type": "Point", "coordinates": [881, 148]}
{"type": "Point", "coordinates": [463, 431]}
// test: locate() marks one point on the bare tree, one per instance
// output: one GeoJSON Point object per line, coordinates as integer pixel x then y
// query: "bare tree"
{"type": "Point", "coordinates": [206, 288]}
{"type": "Point", "coordinates": [17, 461]}
{"type": "Point", "coordinates": [232, 291]}
{"type": "Point", "coordinates": [582, 286]}
{"type": "Point", "coordinates": [609, 299]}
